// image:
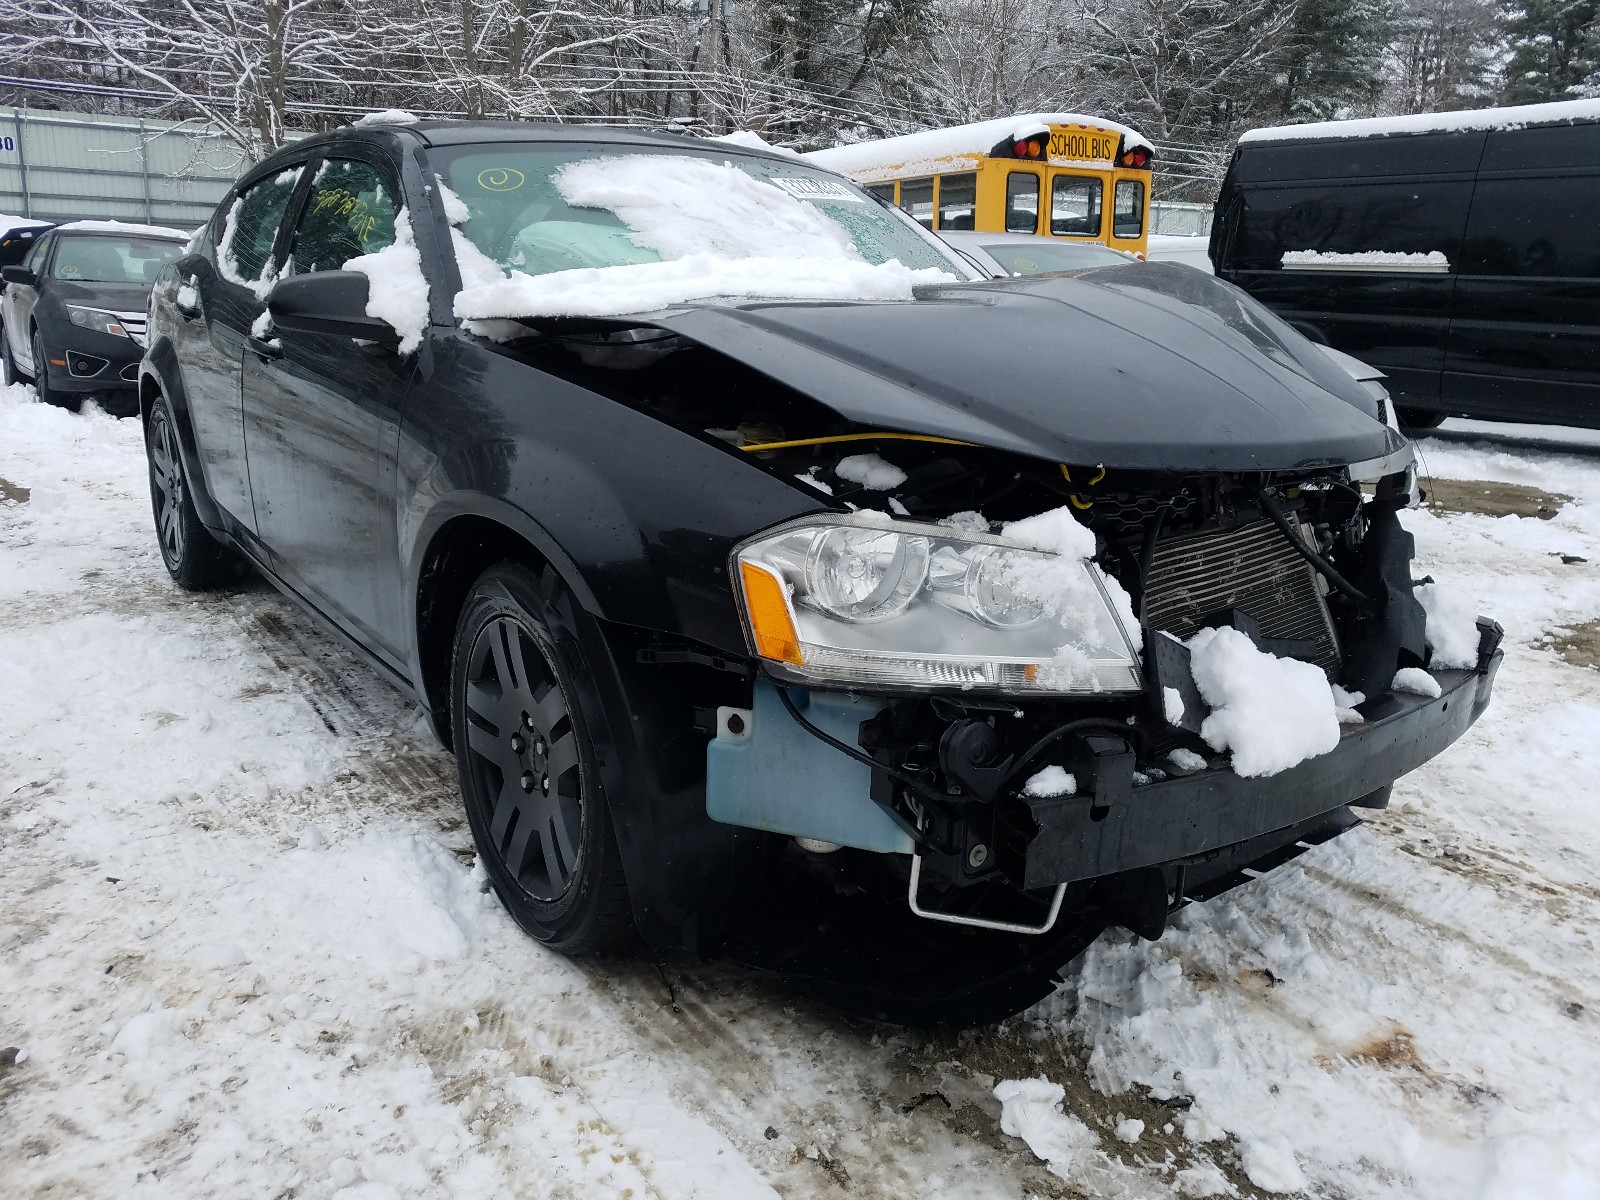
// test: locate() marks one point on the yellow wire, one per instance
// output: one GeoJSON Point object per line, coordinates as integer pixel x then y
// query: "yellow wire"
{"type": "Point", "coordinates": [855, 437]}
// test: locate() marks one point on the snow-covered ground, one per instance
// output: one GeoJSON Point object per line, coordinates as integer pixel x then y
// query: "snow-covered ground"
{"type": "Point", "coordinates": [244, 952]}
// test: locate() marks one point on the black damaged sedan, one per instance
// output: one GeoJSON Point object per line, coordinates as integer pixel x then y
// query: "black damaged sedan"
{"type": "Point", "coordinates": [786, 594]}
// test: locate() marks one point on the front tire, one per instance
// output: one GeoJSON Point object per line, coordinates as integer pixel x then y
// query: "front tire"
{"type": "Point", "coordinates": [194, 559]}
{"type": "Point", "coordinates": [41, 378]}
{"type": "Point", "coordinates": [527, 764]}
{"type": "Point", "coordinates": [9, 372]}
{"type": "Point", "coordinates": [1420, 420]}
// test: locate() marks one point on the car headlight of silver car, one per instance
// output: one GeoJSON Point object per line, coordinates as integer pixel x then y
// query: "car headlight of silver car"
{"type": "Point", "coordinates": [94, 318]}
{"type": "Point", "coordinates": [867, 599]}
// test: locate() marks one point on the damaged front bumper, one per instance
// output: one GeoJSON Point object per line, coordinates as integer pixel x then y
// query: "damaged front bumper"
{"type": "Point", "coordinates": [1111, 827]}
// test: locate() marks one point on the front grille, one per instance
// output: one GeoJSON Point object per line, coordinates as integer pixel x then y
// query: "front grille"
{"type": "Point", "coordinates": [1252, 568]}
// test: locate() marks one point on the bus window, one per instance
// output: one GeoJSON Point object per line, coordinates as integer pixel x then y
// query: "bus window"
{"type": "Point", "coordinates": [916, 197]}
{"type": "Point", "coordinates": [1022, 202]}
{"type": "Point", "coordinates": [958, 201]}
{"type": "Point", "coordinates": [884, 191]}
{"type": "Point", "coordinates": [1075, 206]}
{"type": "Point", "coordinates": [1127, 218]}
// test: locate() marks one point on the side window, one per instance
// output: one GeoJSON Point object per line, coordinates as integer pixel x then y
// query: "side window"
{"type": "Point", "coordinates": [1127, 217]}
{"type": "Point", "coordinates": [1534, 227]}
{"type": "Point", "coordinates": [1022, 202]}
{"type": "Point", "coordinates": [1400, 217]}
{"type": "Point", "coordinates": [41, 251]}
{"type": "Point", "coordinates": [1075, 206]}
{"type": "Point", "coordinates": [351, 211]}
{"type": "Point", "coordinates": [916, 197]}
{"type": "Point", "coordinates": [884, 191]}
{"type": "Point", "coordinates": [958, 201]}
{"type": "Point", "coordinates": [250, 227]}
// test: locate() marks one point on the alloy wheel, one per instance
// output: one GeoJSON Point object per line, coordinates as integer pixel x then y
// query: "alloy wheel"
{"type": "Point", "coordinates": [524, 754]}
{"type": "Point", "coordinates": [166, 473]}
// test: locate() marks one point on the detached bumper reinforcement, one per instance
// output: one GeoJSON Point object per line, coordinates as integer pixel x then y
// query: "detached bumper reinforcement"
{"type": "Point", "coordinates": [1083, 836]}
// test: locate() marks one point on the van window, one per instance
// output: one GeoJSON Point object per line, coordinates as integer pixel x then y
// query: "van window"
{"type": "Point", "coordinates": [1075, 206]}
{"type": "Point", "coordinates": [958, 199]}
{"type": "Point", "coordinates": [1127, 218]}
{"type": "Point", "coordinates": [1413, 218]}
{"type": "Point", "coordinates": [916, 197]}
{"type": "Point", "coordinates": [1534, 227]}
{"type": "Point", "coordinates": [1022, 202]}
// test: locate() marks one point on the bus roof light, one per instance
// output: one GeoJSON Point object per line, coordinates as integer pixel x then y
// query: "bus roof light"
{"type": "Point", "coordinates": [1138, 158]}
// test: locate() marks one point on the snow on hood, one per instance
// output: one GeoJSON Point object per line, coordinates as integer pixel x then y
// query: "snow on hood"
{"type": "Point", "coordinates": [1515, 117]}
{"type": "Point", "coordinates": [754, 241]}
{"type": "Point", "coordinates": [128, 228]}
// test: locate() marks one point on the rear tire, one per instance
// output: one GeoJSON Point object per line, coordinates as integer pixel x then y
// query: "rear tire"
{"type": "Point", "coordinates": [41, 378]}
{"type": "Point", "coordinates": [527, 765]}
{"type": "Point", "coordinates": [9, 372]}
{"type": "Point", "coordinates": [1420, 420]}
{"type": "Point", "coordinates": [193, 557]}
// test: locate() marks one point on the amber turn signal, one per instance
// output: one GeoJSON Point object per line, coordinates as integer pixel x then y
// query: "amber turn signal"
{"type": "Point", "coordinates": [770, 620]}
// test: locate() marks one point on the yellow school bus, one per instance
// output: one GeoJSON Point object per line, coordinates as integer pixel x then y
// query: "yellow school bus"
{"type": "Point", "coordinates": [1053, 174]}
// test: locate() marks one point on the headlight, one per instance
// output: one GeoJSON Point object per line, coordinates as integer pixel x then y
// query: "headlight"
{"type": "Point", "coordinates": [862, 599]}
{"type": "Point", "coordinates": [93, 318]}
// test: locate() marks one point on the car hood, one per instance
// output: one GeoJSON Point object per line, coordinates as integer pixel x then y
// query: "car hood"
{"type": "Point", "coordinates": [1147, 366]}
{"type": "Point", "coordinates": [113, 297]}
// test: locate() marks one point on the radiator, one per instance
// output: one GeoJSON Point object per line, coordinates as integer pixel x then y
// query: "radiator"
{"type": "Point", "coordinates": [1252, 568]}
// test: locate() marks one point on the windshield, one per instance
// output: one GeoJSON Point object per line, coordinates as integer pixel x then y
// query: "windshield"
{"type": "Point", "coordinates": [1048, 256]}
{"type": "Point", "coordinates": [663, 226]}
{"type": "Point", "coordinates": [111, 259]}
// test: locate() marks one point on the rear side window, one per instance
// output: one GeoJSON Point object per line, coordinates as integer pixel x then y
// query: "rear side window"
{"type": "Point", "coordinates": [1022, 202]}
{"type": "Point", "coordinates": [1127, 218]}
{"type": "Point", "coordinates": [916, 197]}
{"type": "Point", "coordinates": [250, 228]}
{"type": "Point", "coordinates": [958, 200]}
{"type": "Point", "coordinates": [1075, 206]}
{"type": "Point", "coordinates": [1418, 217]}
{"type": "Point", "coordinates": [351, 211]}
{"type": "Point", "coordinates": [1535, 227]}
{"type": "Point", "coordinates": [41, 250]}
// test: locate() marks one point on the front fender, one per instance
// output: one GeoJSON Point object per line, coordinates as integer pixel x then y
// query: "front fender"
{"type": "Point", "coordinates": [159, 374]}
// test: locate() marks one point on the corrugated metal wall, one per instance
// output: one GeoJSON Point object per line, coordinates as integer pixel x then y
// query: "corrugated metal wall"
{"type": "Point", "coordinates": [65, 166]}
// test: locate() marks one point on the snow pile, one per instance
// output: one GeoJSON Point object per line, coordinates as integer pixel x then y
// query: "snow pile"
{"type": "Point", "coordinates": [1365, 260]}
{"type": "Point", "coordinates": [1052, 781]}
{"type": "Point", "coordinates": [721, 233]}
{"type": "Point", "coordinates": [389, 116]}
{"type": "Point", "coordinates": [397, 291]}
{"type": "Point", "coordinates": [1452, 628]}
{"type": "Point", "coordinates": [1031, 1110]}
{"type": "Point", "coordinates": [1187, 760]}
{"type": "Point", "coordinates": [871, 472]}
{"type": "Point", "coordinates": [1416, 681]}
{"type": "Point", "coordinates": [750, 140]}
{"type": "Point", "coordinates": [1514, 117]}
{"type": "Point", "coordinates": [1270, 712]}
{"type": "Point", "coordinates": [131, 229]}
{"type": "Point", "coordinates": [1271, 1165]}
{"type": "Point", "coordinates": [1172, 705]}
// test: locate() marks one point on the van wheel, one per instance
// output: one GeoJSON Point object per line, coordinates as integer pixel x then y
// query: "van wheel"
{"type": "Point", "coordinates": [194, 559]}
{"type": "Point", "coordinates": [1420, 420]}
{"type": "Point", "coordinates": [526, 761]}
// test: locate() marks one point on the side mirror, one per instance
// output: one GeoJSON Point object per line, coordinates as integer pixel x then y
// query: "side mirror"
{"type": "Point", "coordinates": [19, 274]}
{"type": "Point", "coordinates": [327, 302]}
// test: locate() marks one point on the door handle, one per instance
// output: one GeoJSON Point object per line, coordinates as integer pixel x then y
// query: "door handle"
{"type": "Point", "coordinates": [265, 349]}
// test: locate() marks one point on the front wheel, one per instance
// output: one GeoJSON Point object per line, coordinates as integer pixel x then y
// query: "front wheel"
{"type": "Point", "coordinates": [9, 373]}
{"type": "Point", "coordinates": [527, 765]}
{"type": "Point", "coordinates": [195, 559]}
{"type": "Point", "coordinates": [41, 378]}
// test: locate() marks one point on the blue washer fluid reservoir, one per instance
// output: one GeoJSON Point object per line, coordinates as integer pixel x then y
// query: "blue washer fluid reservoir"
{"type": "Point", "coordinates": [773, 774]}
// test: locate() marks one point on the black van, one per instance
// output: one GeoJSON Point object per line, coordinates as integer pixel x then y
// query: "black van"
{"type": "Point", "coordinates": [1458, 252]}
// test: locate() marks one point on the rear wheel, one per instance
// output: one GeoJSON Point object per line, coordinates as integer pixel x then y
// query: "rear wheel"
{"type": "Point", "coordinates": [9, 373]}
{"type": "Point", "coordinates": [41, 377]}
{"type": "Point", "coordinates": [1420, 420]}
{"type": "Point", "coordinates": [526, 761]}
{"type": "Point", "coordinates": [195, 559]}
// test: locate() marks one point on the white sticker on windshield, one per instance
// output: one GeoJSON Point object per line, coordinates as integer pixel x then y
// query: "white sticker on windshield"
{"type": "Point", "coordinates": [828, 190]}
